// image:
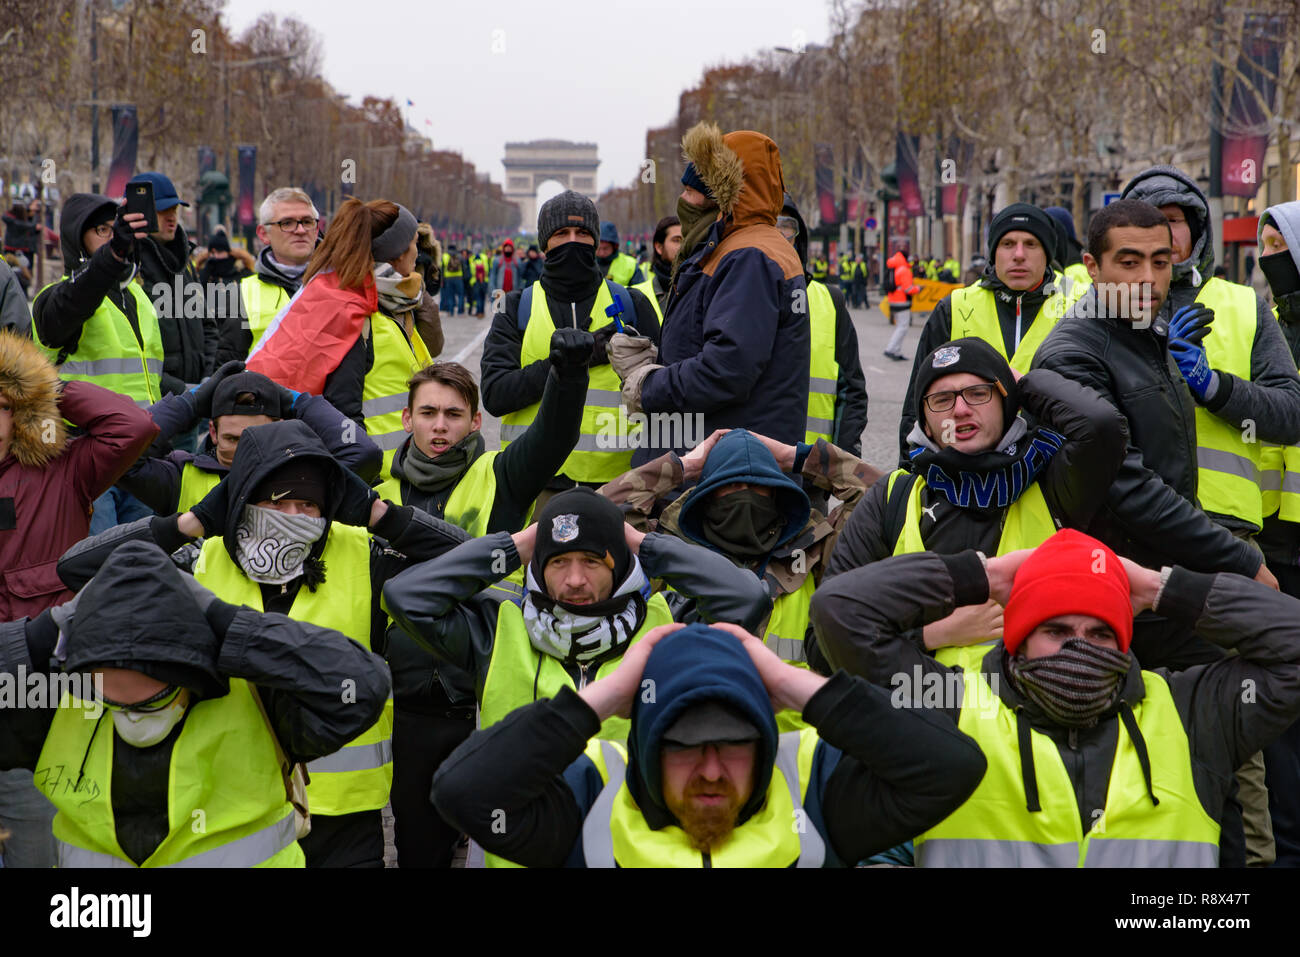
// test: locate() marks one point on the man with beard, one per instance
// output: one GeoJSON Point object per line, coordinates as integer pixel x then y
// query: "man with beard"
{"type": "Point", "coordinates": [667, 241]}
{"type": "Point", "coordinates": [615, 264]}
{"type": "Point", "coordinates": [443, 469]}
{"type": "Point", "coordinates": [233, 400]}
{"type": "Point", "coordinates": [290, 530]}
{"type": "Point", "coordinates": [706, 779]}
{"type": "Point", "coordinates": [516, 354]}
{"type": "Point", "coordinates": [288, 229]}
{"type": "Point", "coordinates": [1095, 760]}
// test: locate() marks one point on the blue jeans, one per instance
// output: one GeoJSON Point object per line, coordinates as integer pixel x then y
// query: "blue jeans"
{"type": "Point", "coordinates": [116, 507]}
{"type": "Point", "coordinates": [480, 296]}
{"type": "Point", "coordinates": [453, 292]}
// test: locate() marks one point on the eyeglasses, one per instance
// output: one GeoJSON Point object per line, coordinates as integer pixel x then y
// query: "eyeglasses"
{"type": "Point", "coordinates": [156, 703]}
{"type": "Point", "coordinates": [690, 754]}
{"type": "Point", "coordinates": [306, 224]}
{"type": "Point", "coordinates": [973, 394]}
{"type": "Point", "coordinates": [104, 230]}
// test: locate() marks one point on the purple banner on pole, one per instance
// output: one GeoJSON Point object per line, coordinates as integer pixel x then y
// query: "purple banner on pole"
{"type": "Point", "coordinates": [909, 183]}
{"type": "Point", "coordinates": [825, 172]}
{"type": "Point", "coordinates": [126, 142]}
{"type": "Point", "coordinates": [1246, 125]}
{"type": "Point", "coordinates": [246, 209]}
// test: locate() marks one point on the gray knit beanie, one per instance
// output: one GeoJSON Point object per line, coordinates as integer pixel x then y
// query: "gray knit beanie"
{"type": "Point", "coordinates": [565, 210]}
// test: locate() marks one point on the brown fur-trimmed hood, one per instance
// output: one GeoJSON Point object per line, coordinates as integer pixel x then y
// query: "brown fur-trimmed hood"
{"type": "Point", "coordinates": [742, 170]}
{"type": "Point", "coordinates": [31, 383]}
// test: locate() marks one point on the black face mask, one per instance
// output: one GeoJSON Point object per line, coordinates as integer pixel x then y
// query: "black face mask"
{"type": "Point", "coordinates": [745, 524]}
{"type": "Point", "coordinates": [1281, 272]}
{"type": "Point", "coordinates": [570, 272]}
{"type": "Point", "coordinates": [606, 260]}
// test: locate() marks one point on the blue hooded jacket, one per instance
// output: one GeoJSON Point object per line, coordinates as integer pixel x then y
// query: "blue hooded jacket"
{"type": "Point", "coordinates": [740, 457]}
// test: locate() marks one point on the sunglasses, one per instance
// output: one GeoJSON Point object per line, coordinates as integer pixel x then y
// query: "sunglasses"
{"type": "Point", "coordinates": [155, 703]}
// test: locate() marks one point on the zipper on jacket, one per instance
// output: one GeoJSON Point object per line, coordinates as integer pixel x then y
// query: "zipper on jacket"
{"type": "Point", "coordinates": [708, 859]}
{"type": "Point", "coordinates": [1018, 299]}
{"type": "Point", "coordinates": [1074, 739]}
{"type": "Point", "coordinates": [573, 307]}
{"type": "Point", "coordinates": [582, 676]}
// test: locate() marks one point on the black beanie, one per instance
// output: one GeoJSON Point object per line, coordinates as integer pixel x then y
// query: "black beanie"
{"type": "Point", "coordinates": [564, 210]}
{"type": "Point", "coordinates": [296, 479]}
{"type": "Point", "coordinates": [967, 355]}
{"type": "Point", "coordinates": [1029, 218]}
{"type": "Point", "coordinates": [581, 520]}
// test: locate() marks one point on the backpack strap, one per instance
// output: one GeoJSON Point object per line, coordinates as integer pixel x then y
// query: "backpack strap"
{"type": "Point", "coordinates": [896, 507]}
{"type": "Point", "coordinates": [525, 307]}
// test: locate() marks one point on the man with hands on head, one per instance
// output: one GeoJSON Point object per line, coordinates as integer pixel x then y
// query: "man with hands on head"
{"type": "Point", "coordinates": [1093, 759]}
{"type": "Point", "coordinates": [234, 400]}
{"type": "Point", "coordinates": [706, 780]}
{"type": "Point", "coordinates": [291, 530]}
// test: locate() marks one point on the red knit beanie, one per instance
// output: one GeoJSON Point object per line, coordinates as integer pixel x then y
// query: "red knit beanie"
{"type": "Point", "coordinates": [1069, 574]}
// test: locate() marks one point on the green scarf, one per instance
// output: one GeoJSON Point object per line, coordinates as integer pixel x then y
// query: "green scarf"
{"type": "Point", "coordinates": [696, 222]}
{"type": "Point", "coordinates": [432, 475]}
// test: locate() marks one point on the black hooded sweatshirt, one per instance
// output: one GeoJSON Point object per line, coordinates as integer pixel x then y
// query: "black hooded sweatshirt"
{"type": "Point", "coordinates": [61, 309]}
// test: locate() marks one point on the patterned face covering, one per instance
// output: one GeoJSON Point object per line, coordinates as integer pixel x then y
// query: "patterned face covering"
{"type": "Point", "coordinates": [271, 546]}
{"type": "Point", "coordinates": [1075, 686]}
{"type": "Point", "coordinates": [587, 634]}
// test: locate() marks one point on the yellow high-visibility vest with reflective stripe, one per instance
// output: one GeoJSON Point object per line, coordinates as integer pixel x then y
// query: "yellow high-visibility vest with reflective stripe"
{"type": "Point", "coordinates": [1228, 467]}
{"type": "Point", "coordinates": [195, 483]}
{"type": "Point", "coordinates": [450, 272]}
{"type": "Point", "coordinates": [615, 832]}
{"type": "Point", "coordinates": [1279, 482]}
{"type": "Point", "coordinates": [606, 437]}
{"type": "Point", "coordinates": [384, 394]}
{"type": "Point", "coordinates": [109, 354]}
{"type": "Point", "coordinates": [823, 371]}
{"type": "Point", "coordinates": [784, 633]}
{"type": "Point", "coordinates": [470, 504]}
{"type": "Point", "coordinates": [975, 313]}
{"type": "Point", "coordinates": [995, 829]}
{"type": "Point", "coordinates": [224, 773]}
{"type": "Point", "coordinates": [1026, 523]}
{"type": "Point", "coordinates": [622, 269]}
{"type": "Point", "coordinates": [262, 303]}
{"type": "Point", "coordinates": [359, 775]}
{"type": "Point", "coordinates": [519, 674]}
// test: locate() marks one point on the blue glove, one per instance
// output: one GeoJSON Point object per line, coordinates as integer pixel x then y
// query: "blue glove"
{"type": "Point", "coordinates": [1188, 327]}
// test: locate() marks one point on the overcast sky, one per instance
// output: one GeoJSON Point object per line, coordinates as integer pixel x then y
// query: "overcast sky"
{"type": "Point", "coordinates": [483, 73]}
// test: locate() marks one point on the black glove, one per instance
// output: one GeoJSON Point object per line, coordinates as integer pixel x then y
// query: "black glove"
{"type": "Point", "coordinates": [358, 498]}
{"type": "Point", "coordinates": [288, 401]}
{"type": "Point", "coordinates": [123, 242]}
{"type": "Point", "coordinates": [201, 395]}
{"type": "Point", "coordinates": [599, 356]}
{"type": "Point", "coordinates": [212, 510]}
{"type": "Point", "coordinates": [571, 349]}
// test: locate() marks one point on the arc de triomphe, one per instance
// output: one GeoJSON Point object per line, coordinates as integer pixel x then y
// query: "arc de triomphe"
{"type": "Point", "coordinates": [528, 165]}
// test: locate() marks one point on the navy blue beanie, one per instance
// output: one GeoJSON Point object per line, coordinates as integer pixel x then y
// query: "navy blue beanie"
{"type": "Point", "coordinates": [692, 179]}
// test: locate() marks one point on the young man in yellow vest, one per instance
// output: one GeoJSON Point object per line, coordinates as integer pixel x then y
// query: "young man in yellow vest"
{"type": "Point", "coordinates": [290, 530]}
{"type": "Point", "coordinates": [1094, 759]}
{"type": "Point", "coordinates": [617, 265]}
{"type": "Point", "coordinates": [706, 778]}
{"type": "Point", "coordinates": [744, 500]}
{"type": "Point", "coordinates": [571, 293]}
{"type": "Point", "coordinates": [287, 227]}
{"type": "Point", "coordinates": [659, 271]}
{"type": "Point", "coordinates": [167, 744]}
{"type": "Point", "coordinates": [444, 470]}
{"type": "Point", "coordinates": [99, 326]}
{"type": "Point", "coordinates": [233, 400]}
{"type": "Point", "coordinates": [985, 476]}
{"type": "Point", "coordinates": [1013, 307]}
{"type": "Point", "coordinates": [453, 297]}
{"type": "Point", "coordinates": [588, 599]}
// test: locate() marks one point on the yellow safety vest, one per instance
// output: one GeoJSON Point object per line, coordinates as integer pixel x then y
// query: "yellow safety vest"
{"type": "Point", "coordinates": [606, 439]}
{"type": "Point", "coordinates": [1079, 281]}
{"type": "Point", "coordinates": [615, 833]}
{"type": "Point", "coordinates": [1027, 523]}
{"type": "Point", "coordinates": [1279, 481]}
{"type": "Point", "coordinates": [470, 504]}
{"type": "Point", "coordinates": [819, 268]}
{"type": "Point", "coordinates": [109, 354]}
{"type": "Point", "coordinates": [975, 313]}
{"type": "Point", "coordinates": [994, 828]}
{"type": "Point", "coordinates": [226, 805]}
{"type": "Point", "coordinates": [647, 289]}
{"type": "Point", "coordinates": [447, 271]}
{"type": "Point", "coordinates": [358, 776]}
{"type": "Point", "coordinates": [519, 674]}
{"type": "Point", "coordinates": [262, 303]}
{"type": "Point", "coordinates": [195, 484]}
{"type": "Point", "coordinates": [823, 371]}
{"type": "Point", "coordinates": [385, 392]}
{"type": "Point", "coordinates": [785, 631]}
{"type": "Point", "coordinates": [622, 269]}
{"type": "Point", "coordinates": [1228, 468]}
